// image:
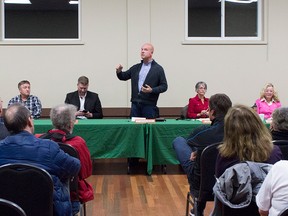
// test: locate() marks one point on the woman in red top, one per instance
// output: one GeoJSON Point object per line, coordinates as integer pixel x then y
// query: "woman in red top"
{"type": "Point", "coordinates": [198, 106]}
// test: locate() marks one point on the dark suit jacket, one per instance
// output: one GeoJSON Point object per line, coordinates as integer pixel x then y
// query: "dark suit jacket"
{"type": "Point", "coordinates": [92, 103]}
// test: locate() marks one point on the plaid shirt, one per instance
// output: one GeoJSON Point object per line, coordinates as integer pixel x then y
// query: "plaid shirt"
{"type": "Point", "coordinates": [33, 104]}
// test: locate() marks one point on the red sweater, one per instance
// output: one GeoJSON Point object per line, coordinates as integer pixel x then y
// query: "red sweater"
{"type": "Point", "coordinates": [85, 189]}
{"type": "Point", "coordinates": [195, 106]}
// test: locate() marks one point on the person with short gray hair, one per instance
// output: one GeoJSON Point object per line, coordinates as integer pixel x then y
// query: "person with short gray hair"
{"type": "Point", "coordinates": [63, 119]}
{"type": "Point", "coordinates": [279, 124]}
{"type": "Point", "coordinates": [198, 105]}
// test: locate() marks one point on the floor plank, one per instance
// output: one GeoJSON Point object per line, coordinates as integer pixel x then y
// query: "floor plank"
{"type": "Point", "coordinates": [119, 194]}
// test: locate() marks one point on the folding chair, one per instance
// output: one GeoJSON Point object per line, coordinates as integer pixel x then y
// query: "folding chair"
{"type": "Point", "coordinates": [284, 212]}
{"type": "Point", "coordinates": [28, 186]}
{"type": "Point", "coordinates": [283, 145]}
{"type": "Point", "coordinates": [207, 178]}
{"type": "Point", "coordinates": [9, 208]}
{"type": "Point", "coordinates": [73, 184]}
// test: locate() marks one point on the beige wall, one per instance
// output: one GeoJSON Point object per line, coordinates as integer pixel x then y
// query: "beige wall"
{"type": "Point", "coordinates": [113, 32]}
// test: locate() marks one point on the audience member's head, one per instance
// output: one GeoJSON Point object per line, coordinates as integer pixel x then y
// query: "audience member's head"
{"type": "Point", "coordinates": [219, 104]}
{"type": "Point", "coordinates": [245, 136]}
{"type": "Point", "coordinates": [280, 119]}
{"type": "Point", "coordinates": [269, 93]}
{"type": "Point", "coordinates": [24, 88]}
{"type": "Point", "coordinates": [18, 118]}
{"type": "Point", "coordinates": [63, 117]}
{"type": "Point", "coordinates": [82, 85]}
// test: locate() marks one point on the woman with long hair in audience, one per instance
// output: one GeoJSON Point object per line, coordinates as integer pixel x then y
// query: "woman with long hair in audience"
{"type": "Point", "coordinates": [246, 138]}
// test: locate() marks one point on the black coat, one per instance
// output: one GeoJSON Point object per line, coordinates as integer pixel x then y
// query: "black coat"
{"type": "Point", "coordinates": [92, 103]}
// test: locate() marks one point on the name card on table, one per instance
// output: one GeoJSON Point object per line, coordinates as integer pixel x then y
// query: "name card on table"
{"type": "Point", "coordinates": [142, 120]}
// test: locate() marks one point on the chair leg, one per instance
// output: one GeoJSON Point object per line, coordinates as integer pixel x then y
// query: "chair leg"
{"type": "Point", "coordinates": [164, 168]}
{"type": "Point", "coordinates": [84, 208]}
{"type": "Point", "coordinates": [189, 200]}
{"type": "Point", "coordinates": [187, 203]}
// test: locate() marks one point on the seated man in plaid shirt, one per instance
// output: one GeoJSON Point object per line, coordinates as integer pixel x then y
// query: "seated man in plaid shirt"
{"type": "Point", "coordinates": [31, 102]}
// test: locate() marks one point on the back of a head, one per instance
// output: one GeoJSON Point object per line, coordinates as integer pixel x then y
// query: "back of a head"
{"type": "Point", "coordinates": [220, 103]}
{"type": "Point", "coordinates": [16, 118]}
{"type": "Point", "coordinates": [280, 119]}
{"type": "Point", "coordinates": [245, 135]}
{"type": "Point", "coordinates": [62, 116]}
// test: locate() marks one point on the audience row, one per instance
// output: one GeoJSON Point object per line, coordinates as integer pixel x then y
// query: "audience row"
{"type": "Point", "coordinates": [20, 145]}
{"type": "Point", "coordinates": [244, 137]}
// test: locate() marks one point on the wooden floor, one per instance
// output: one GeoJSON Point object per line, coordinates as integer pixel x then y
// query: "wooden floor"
{"type": "Point", "coordinates": [117, 193]}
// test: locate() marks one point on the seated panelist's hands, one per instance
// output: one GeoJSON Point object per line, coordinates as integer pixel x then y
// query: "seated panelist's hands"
{"type": "Point", "coordinates": [204, 112]}
{"type": "Point", "coordinates": [86, 114]}
{"type": "Point", "coordinates": [146, 89]}
{"type": "Point", "coordinates": [119, 68]}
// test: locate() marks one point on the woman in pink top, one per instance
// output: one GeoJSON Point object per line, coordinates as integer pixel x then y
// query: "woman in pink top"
{"type": "Point", "coordinates": [268, 101]}
{"type": "Point", "coordinates": [198, 106]}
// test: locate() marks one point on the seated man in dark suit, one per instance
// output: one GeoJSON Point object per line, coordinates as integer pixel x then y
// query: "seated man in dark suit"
{"type": "Point", "coordinates": [88, 103]}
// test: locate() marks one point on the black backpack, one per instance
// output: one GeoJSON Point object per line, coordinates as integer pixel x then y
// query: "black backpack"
{"type": "Point", "coordinates": [57, 137]}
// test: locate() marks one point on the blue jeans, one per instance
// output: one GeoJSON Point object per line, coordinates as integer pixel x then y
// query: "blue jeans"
{"type": "Point", "coordinates": [144, 110]}
{"type": "Point", "coordinates": [183, 154]}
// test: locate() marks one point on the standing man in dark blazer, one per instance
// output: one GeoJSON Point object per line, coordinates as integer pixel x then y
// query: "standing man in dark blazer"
{"type": "Point", "coordinates": [148, 80]}
{"type": "Point", "coordinates": [88, 103]}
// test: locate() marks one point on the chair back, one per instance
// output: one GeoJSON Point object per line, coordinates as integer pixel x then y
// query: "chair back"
{"type": "Point", "coordinates": [73, 184]}
{"type": "Point", "coordinates": [183, 114]}
{"type": "Point", "coordinates": [283, 145]}
{"type": "Point", "coordinates": [9, 208]}
{"type": "Point", "coordinates": [284, 212]}
{"type": "Point", "coordinates": [28, 186]}
{"type": "Point", "coordinates": [207, 176]}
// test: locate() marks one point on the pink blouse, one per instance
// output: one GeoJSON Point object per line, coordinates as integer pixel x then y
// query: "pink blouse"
{"type": "Point", "coordinates": [267, 109]}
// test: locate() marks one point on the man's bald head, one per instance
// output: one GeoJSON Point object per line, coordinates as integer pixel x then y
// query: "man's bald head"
{"type": "Point", "coordinates": [17, 118]}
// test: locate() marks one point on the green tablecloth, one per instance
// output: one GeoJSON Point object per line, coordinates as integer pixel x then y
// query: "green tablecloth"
{"type": "Point", "coordinates": [121, 138]}
{"type": "Point", "coordinates": [161, 135]}
{"type": "Point", "coordinates": [107, 138]}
